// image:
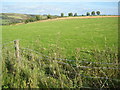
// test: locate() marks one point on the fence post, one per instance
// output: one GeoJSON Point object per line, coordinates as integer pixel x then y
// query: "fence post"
{"type": "Point", "coordinates": [17, 54]}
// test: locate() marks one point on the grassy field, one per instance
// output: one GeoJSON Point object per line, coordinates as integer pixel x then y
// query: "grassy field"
{"type": "Point", "coordinates": [76, 53]}
{"type": "Point", "coordinates": [67, 34]}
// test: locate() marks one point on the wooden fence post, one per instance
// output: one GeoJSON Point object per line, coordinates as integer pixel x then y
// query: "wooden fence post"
{"type": "Point", "coordinates": [17, 54]}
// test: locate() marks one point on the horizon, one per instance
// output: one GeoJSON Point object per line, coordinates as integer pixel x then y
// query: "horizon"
{"type": "Point", "coordinates": [55, 8]}
{"type": "Point", "coordinates": [61, 1]}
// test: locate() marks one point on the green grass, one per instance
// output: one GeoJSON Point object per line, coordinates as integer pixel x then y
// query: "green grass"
{"type": "Point", "coordinates": [67, 34]}
{"type": "Point", "coordinates": [71, 39]}
{"type": "Point", "coordinates": [32, 71]}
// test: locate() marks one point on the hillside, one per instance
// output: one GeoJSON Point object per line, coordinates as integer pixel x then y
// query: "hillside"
{"type": "Point", "coordinates": [8, 18]}
{"type": "Point", "coordinates": [11, 18]}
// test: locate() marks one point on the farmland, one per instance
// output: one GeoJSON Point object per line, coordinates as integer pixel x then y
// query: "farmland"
{"type": "Point", "coordinates": [14, 18]}
{"type": "Point", "coordinates": [68, 34]}
{"type": "Point", "coordinates": [8, 18]}
{"type": "Point", "coordinates": [87, 49]}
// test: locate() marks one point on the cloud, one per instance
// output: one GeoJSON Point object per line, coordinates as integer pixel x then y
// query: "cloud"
{"type": "Point", "coordinates": [60, 0]}
{"type": "Point", "coordinates": [61, 7]}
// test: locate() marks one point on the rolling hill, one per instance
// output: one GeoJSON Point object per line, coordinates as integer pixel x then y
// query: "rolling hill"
{"type": "Point", "coordinates": [11, 18]}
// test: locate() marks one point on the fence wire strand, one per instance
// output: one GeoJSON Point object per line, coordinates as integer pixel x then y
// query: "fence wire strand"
{"type": "Point", "coordinates": [68, 59]}
{"type": "Point", "coordinates": [87, 67]}
{"type": "Point", "coordinates": [8, 43]}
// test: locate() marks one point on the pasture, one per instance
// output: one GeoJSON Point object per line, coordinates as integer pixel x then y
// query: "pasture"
{"type": "Point", "coordinates": [75, 53]}
{"type": "Point", "coordinates": [67, 34]}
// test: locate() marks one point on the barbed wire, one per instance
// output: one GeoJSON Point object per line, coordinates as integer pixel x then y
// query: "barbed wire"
{"type": "Point", "coordinates": [71, 60]}
{"type": "Point", "coordinates": [74, 60]}
{"type": "Point", "coordinates": [90, 67]}
{"type": "Point", "coordinates": [8, 42]}
{"type": "Point", "coordinates": [91, 78]}
{"type": "Point", "coordinates": [60, 58]}
{"type": "Point", "coordinates": [87, 61]}
{"type": "Point", "coordinates": [106, 78]}
{"type": "Point", "coordinates": [86, 67]}
{"type": "Point", "coordinates": [97, 77]}
{"type": "Point", "coordinates": [34, 51]}
{"type": "Point", "coordinates": [8, 47]}
{"type": "Point", "coordinates": [98, 67]}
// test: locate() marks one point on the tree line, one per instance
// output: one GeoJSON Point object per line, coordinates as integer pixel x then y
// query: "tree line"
{"type": "Point", "coordinates": [39, 17]}
{"type": "Point", "coordinates": [87, 14]}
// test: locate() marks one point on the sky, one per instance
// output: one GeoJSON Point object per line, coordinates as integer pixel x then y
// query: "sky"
{"type": "Point", "coordinates": [60, 0]}
{"type": "Point", "coordinates": [55, 7]}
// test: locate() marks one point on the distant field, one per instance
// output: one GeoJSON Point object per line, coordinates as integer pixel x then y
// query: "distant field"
{"type": "Point", "coordinates": [11, 18]}
{"type": "Point", "coordinates": [68, 34]}
{"type": "Point", "coordinates": [8, 18]}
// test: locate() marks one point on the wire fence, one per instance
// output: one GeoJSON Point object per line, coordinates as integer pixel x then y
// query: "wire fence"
{"type": "Point", "coordinates": [60, 58]}
{"type": "Point", "coordinates": [91, 67]}
{"type": "Point", "coordinates": [96, 77]}
{"type": "Point", "coordinates": [61, 61]}
{"type": "Point", "coordinates": [70, 60]}
{"type": "Point", "coordinates": [8, 43]}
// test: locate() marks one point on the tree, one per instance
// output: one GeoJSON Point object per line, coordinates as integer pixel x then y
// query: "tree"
{"type": "Point", "coordinates": [26, 21]}
{"type": "Point", "coordinates": [49, 16]}
{"type": "Point", "coordinates": [37, 17]}
{"type": "Point", "coordinates": [88, 14]}
{"type": "Point", "coordinates": [75, 14]}
{"type": "Point", "coordinates": [70, 14]}
{"type": "Point", "coordinates": [98, 12]}
{"type": "Point", "coordinates": [93, 13]}
{"type": "Point", "coordinates": [31, 19]}
{"type": "Point", "coordinates": [62, 14]}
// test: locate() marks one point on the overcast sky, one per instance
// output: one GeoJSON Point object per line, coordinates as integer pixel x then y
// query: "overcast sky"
{"type": "Point", "coordinates": [60, 0]}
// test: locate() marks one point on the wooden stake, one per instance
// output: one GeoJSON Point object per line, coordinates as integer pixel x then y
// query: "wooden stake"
{"type": "Point", "coordinates": [16, 43]}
